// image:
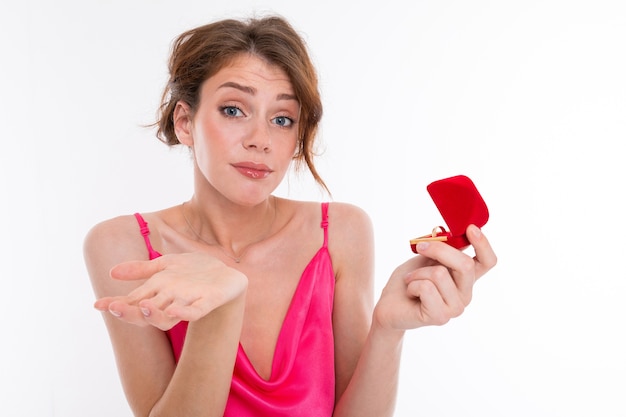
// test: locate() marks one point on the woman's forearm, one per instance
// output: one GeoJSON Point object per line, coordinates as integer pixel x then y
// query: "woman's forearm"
{"type": "Point", "coordinates": [201, 383]}
{"type": "Point", "coordinates": [373, 388]}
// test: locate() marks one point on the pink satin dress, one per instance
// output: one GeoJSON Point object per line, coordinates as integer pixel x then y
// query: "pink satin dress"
{"type": "Point", "coordinates": [302, 381]}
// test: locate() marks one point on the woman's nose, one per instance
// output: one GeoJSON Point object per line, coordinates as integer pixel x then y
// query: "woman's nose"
{"type": "Point", "coordinates": [259, 138]}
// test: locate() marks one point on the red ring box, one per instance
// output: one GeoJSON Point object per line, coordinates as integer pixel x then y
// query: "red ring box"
{"type": "Point", "coordinates": [460, 205]}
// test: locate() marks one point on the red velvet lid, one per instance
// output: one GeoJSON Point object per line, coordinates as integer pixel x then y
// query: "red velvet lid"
{"type": "Point", "coordinates": [459, 203]}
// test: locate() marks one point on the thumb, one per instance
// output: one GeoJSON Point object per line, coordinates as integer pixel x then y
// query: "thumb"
{"type": "Point", "coordinates": [134, 270]}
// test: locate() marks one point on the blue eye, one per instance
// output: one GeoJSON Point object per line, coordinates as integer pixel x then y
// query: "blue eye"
{"type": "Point", "coordinates": [283, 121]}
{"type": "Point", "coordinates": [231, 111]}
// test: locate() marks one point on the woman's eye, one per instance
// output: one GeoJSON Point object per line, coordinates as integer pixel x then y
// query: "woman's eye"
{"type": "Point", "coordinates": [231, 111]}
{"type": "Point", "coordinates": [283, 121]}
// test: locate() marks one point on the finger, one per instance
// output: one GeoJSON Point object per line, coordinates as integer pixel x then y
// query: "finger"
{"type": "Point", "coordinates": [159, 301]}
{"type": "Point", "coordinates": [134, 270]}
{"type": "Point", "coordinates": [156, 286]}
{"type": "Point", "coordinates": [189, 312]}
{"type": "Point", "coordinates": [146, 291]}
{"type": "Point", "coordinates": [157, 317]}
{"type": "Point", "coordinates": [102, 304]}
{"type": "Point", "coordinates": [485, 258]}
{"type": "Point", "coordinates": [462, 267]}
{"type": "Point", "coordinates": [127, 313]}
{"type": "Point", "coordinates": [455, 299]}
{"type": "Point", "coordinates": [431, 307]}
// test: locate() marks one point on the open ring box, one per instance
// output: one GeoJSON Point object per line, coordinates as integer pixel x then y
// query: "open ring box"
{"type": "Point", "coordinates": [460, 205]}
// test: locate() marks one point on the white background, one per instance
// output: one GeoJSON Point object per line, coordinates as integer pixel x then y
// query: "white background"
{"type": "Point", "coordinates": [528, 98]}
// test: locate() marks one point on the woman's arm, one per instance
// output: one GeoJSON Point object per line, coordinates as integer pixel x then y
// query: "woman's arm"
{"type": "Point", "coordinates": [351, 244]}
{"type": "Point", "coordinates": [153, 384]}
{"type": "Point", "coordinates": [429, 289]}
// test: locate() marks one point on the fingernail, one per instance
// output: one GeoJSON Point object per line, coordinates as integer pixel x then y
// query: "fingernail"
{"type": "Point", "coordinates": [115, 313]}
{"type": "Point", "coordinates": [476, 231]}
{"type": "Point", "coordinates": [145, 311]}
{"type": "Point", "coordinates": [422, 246]}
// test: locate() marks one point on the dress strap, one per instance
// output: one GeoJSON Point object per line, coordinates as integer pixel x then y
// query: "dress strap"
{"type": "Point", "coordinates": [145, 232]}
{"type": "Point", "coordinates": [324, 224]}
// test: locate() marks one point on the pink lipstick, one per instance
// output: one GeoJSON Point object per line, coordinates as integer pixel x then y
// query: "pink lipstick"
{"type": "Point", "coordinates": [253, 170]}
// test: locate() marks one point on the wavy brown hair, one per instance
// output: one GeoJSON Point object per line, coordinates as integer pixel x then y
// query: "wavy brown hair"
{"type": "Point", "coordinates": [199, 53]}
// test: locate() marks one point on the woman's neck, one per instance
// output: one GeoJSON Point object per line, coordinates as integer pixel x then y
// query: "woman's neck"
{"type": "Point", "coordinates": [231, 227]}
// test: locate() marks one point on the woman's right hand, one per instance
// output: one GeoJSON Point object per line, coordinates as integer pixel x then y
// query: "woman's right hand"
{"type": "Point", "coordinates": [178, 287]}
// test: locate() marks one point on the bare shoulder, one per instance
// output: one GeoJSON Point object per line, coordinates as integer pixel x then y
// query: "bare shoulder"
{"type": "Point", "coordinates": [345, 220]}
{"type": "Point", "coordinates": [108, 243]}
{"type": "Point", "coordinates": [119, 234]}
{"type": "Point", "coordinates": [349, 218]}
{"type": "Point", "coordinates": [351, 240]}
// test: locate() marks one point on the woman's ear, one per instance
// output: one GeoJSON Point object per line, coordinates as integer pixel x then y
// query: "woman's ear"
{"type": "Point", "coordinates": [183, 123]}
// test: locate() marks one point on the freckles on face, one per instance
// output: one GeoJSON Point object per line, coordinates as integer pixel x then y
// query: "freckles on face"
{"type": "Point", "coordinates": [245, 130]}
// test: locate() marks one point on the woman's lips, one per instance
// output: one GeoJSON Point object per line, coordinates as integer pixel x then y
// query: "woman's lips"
{"type": "Point", "coordinates": [252, 170]}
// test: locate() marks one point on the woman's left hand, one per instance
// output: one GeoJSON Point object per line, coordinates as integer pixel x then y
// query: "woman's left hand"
{"type": "Point", "coordinates": [177, 287]}
{"type": "Point", "coordinates": [434, 287]}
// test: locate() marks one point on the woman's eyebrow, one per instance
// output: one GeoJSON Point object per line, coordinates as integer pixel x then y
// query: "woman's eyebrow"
{"type": "Point", "coordinates": [252, 90]}
{"type": "Point", "coordinates": [286, 97]}
{"type": "Point", "coordinates": [240, 87]}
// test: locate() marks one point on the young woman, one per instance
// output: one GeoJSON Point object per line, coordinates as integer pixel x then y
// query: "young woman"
{"type": "Point", "coordinates": [239, 303]}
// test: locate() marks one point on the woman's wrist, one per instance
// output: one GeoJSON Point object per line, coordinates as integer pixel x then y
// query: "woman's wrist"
{"type": "Point", "coordinates": [381, 328]}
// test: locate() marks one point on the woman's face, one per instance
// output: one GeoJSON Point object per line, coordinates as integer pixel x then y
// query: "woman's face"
{"type": "Point", "coordinates": [245, 130]}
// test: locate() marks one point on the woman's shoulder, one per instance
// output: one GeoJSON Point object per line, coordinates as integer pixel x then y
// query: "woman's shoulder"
{"type": "Point", "coordinates": [351, 223]}
{"type": "Point", "coordinates": [116, 228]}
{"type": "Point", "coordinates": [348, 223]}
{"type": "Point", "coordinates": [351, 242]}
{"type": "Point", "coordinates": [340, 214]}
{"type": "Point", "coordinates": [115, 240]}
{"type": "Point", "coordinates": [348, 211]}
{"type": "Point", "coordinates": [127, 228]}
{"type": "Point", "coordinates": [338, 207]}
{"type": "Point", "coordinates": [109, 243]}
